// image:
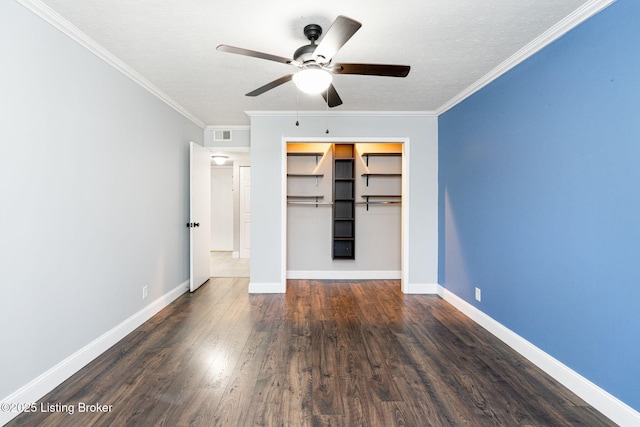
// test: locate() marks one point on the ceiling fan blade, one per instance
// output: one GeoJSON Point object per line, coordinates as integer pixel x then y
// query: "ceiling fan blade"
{"type": "Point", "coordinates": [387, 70]}
{"type": "Point", "coordinates": [269, 86]}
{"type": "Point", "coordinates": [254, 53]}
{"type": "Point", "coordinates": [338, 34]}
{"type": "Point", "coordinates": [334, 99]}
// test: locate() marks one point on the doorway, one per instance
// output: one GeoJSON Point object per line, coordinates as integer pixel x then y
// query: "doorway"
{"type": "Point", "coordinates": [245, 211]}
{"type": "Point", "coordinates": [230, 213]}
{"type": "Point", "coordinates": [381, 227]}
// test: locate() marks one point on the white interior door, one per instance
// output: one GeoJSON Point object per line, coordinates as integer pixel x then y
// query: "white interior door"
{"type": "Point", "coordinates": [245, 211]}
{"type": "Point", "coordinates": [199, 216]}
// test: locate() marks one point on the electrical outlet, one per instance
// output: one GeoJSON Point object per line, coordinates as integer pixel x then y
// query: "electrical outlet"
{"type": "Point", "coordinates": [145, 290]}
{"type": "Point", "coordinates": [478, 294]}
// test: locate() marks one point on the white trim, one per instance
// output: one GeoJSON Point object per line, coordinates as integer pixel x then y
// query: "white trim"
{"type": "Point", "coordinates": [73, 32]}
{"type": "Point", "coordinates": [580, 15]}
{"type": "Point", "coordinates": [405, 227]}
{"type": "Point", "coordinates": [235, 254]}
{"type": "Point", "coordinates": [267, 288]}
{"type": "Point", "coordinates": [43, 384]}
{"type": "Point", "coordinates": [344, 275]}
{"type": "Point", "coordinates": [283, 212]}
{"type": "Point", "coordinates": [422, 288]}
{"type": "Point", "coordinates": [341, 113]}
{"type": "Point", "coordinates": [346, 139]}
{"type": "Point", "coordinates": [618, 411]}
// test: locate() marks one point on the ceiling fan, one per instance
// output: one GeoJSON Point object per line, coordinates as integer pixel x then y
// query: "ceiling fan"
{"type": "Point", "coordinates": [313, 61]}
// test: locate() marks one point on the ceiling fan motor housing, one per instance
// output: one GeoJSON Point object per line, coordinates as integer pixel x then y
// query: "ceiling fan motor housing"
{"type": "Point", "coordinates": [312, 32]}
{"type": "Point", "coordinates": [305, 53]}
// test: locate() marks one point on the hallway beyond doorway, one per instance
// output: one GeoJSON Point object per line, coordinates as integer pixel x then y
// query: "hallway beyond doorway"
{"type": "Point", "coordinates": [224, 265]}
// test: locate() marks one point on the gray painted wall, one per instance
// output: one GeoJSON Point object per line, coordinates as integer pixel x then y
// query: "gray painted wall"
{"type": "Point", "coordinates": [268, 169]}
{"type": "Point", "coordinates": [94, 193]}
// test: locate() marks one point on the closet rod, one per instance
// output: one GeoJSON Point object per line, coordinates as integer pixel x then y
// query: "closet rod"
{"type": "Point", "coordinates": [309, 203]}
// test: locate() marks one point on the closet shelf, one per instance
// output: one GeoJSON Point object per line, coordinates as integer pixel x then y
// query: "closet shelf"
{"type": "Point", "coordinates": [367, 155]}
{"type": "Point", "coordinates": [305, 153]}
{"type": "Point", "coordinates": [316, 154]}
{"type": "Point", "coordinates": [381, 175]}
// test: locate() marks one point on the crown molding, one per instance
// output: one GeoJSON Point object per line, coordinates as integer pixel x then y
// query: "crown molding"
{"type": "Point", "coordinates": [341, 113]}
{"type": "Point", "coordinates": [73, 32]}
{"type": "Point", "coordinates": [580, 15]}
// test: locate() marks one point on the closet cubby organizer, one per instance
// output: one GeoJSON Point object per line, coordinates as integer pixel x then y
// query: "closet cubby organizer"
{"type": "Point", "coordinates": [343, 202]}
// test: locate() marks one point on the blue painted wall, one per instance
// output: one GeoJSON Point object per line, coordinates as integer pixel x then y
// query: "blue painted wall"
{"type": "Point", "coordinates": [539, 200]}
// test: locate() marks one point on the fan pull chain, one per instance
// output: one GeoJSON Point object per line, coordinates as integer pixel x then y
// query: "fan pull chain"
{"type": "Point", "coordinates": [297, 106]}
{"type": "Point", "coordinates": [327, 111]}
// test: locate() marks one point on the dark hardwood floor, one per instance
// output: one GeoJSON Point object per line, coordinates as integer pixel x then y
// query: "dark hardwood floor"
{"type": "Point", "coordinates": [324, 354]}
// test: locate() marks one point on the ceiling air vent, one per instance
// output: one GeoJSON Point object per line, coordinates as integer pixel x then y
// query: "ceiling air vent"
{"type": "Point", "coordinates": [222, 135]}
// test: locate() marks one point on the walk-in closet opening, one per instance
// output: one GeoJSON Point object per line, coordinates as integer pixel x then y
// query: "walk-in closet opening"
{"type": "Point", "coordinates": [344, 210]}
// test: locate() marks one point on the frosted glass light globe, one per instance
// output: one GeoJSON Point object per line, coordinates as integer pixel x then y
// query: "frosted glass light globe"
{"type": "Point", "coordinates": [312, 80]}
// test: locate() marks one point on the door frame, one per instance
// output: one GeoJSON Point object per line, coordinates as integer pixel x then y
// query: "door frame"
{"type": "Point", "coordinates": [241, 196]}
{"type": "Point", "coordinates": [404, 275]}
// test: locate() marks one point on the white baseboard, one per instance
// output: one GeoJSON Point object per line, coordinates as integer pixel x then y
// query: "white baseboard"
{"type": "Point", "coordinates": [235, 254]}
{"type": "Point", "coordinates": [344, 275]}
{"type": "Point", "coordinates": [267, 288]}
{"type": "Point", "coordinates": [618, 411]}
{"type": "Point", "coordinates": [40, 386]}
{"type": "Point", "coordinates": [421, 288]}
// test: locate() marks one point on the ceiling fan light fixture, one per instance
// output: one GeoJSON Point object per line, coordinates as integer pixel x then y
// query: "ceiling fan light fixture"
{"type": "Point", "coordinates": [314, 62]}
{"type": "Point", "coordinates": [219, 159]}
{"type": "Point", "coordinates": [312, 80]}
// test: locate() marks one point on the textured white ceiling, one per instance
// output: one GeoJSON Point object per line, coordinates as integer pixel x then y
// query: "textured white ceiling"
{"type": "Point", "coordinates": [450, 44]}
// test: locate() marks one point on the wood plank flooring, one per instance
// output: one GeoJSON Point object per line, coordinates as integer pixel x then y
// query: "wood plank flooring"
{"type": "Point", "coordinates": [224, 265]}
{"type": "Point", "coordinates": [324, 354]}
